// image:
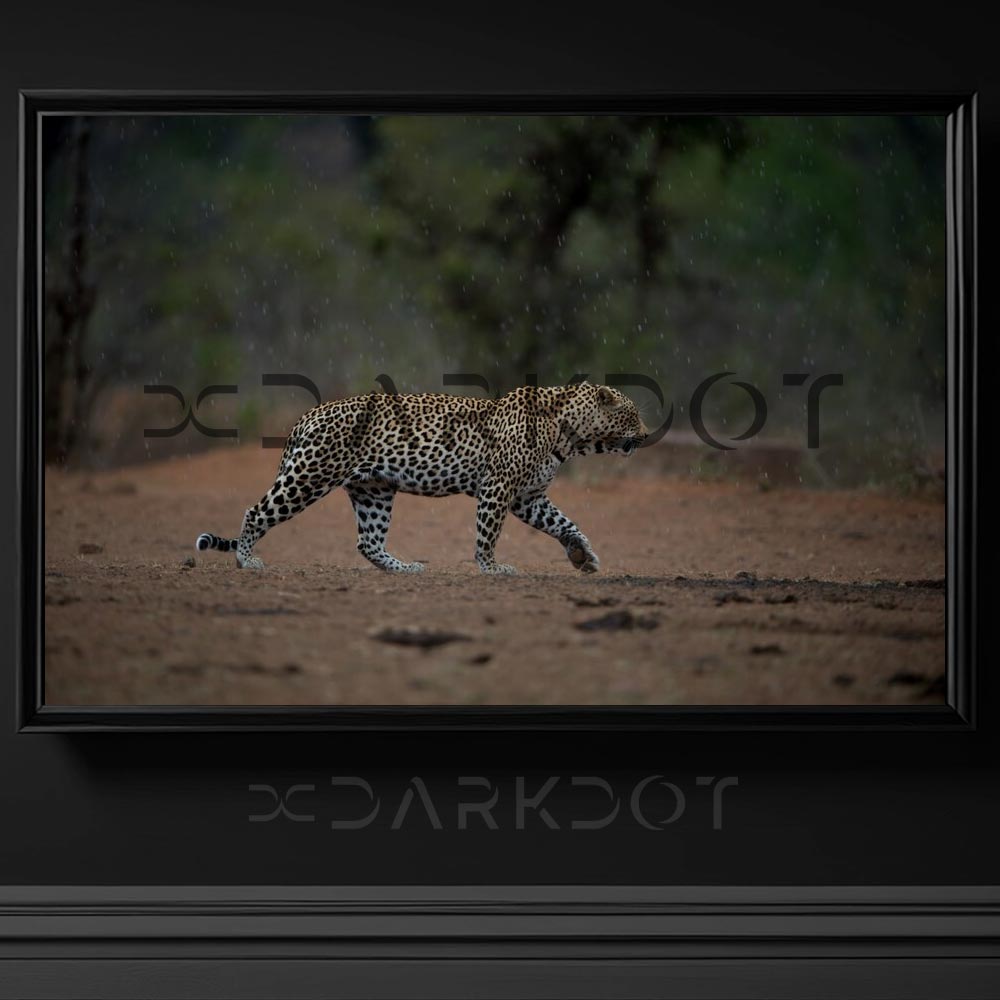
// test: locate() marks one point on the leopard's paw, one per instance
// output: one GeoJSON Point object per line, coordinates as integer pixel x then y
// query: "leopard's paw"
{"type": "Point", "coordinates": [499, 569]}
{"type": "Point", "coordinates": [583, 558]}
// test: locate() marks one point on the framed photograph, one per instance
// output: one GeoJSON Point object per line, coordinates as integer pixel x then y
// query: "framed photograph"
{"type": "Point", "coordinates": [324, 318]}
{"type": "Point", "coordinates": [663, 400]}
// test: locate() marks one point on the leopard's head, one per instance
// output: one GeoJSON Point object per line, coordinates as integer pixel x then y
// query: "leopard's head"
{"type": "Point", "coordinates": [601, 419]}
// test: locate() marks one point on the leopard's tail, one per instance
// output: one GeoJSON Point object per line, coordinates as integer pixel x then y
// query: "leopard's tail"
{"type": "Point", "coordinates": [207, 541]}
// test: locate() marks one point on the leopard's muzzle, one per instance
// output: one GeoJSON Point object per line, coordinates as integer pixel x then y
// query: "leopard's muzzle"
{"type": "Point", "coordinates": [630, 444]}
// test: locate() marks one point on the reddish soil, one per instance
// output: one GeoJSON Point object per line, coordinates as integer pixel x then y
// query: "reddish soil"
{"type": "Point", "coordinates": [711, 593]}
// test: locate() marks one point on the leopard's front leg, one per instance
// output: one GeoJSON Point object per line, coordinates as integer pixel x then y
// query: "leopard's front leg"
{"type": "Point", "coordinates": [541, 513]}
{"type": "Point", "coordinates": [493, 503]}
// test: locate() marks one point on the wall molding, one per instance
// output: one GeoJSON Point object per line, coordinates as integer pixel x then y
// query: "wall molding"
{"type": "Point", "coordinates": [489, 941]}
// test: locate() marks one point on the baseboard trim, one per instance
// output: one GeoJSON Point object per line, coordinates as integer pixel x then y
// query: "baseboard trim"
{"type": "Point", "coordinates": [492, 942]}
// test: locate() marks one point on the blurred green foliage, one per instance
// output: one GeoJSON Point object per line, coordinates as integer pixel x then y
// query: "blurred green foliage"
{"type": "Point", "coordinates": [225, 247]}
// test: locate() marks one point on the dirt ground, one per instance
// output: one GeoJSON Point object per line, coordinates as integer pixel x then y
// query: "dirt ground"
{"type": "Point", "coordinates": [710, 593]}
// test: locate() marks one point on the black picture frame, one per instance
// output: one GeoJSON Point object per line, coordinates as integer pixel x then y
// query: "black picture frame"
{"type": "Point", "coordinates": [858, 861]}
{"type": "Point", "coordinates": [958, 711]}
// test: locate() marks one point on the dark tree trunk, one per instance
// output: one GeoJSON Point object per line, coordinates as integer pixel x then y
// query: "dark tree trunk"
{"type": "Point", "coordinates": [70, 296]}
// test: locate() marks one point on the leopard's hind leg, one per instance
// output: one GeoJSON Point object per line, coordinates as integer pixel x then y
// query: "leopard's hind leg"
{"type": "Point", "coordinates": [290, 495]}
{"type": "Point", "coordinates": [372, 503]}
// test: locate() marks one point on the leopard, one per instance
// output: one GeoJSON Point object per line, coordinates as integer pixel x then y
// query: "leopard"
{"type": "Point", "coordinates": [504, 451]}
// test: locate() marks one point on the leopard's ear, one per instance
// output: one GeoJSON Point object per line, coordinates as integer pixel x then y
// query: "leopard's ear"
{"type": "Point", "coordinates": [606, 396]}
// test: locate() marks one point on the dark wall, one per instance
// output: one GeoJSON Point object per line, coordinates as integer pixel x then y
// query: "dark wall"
{"type": "Point", "coordinates": [839, 807]}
